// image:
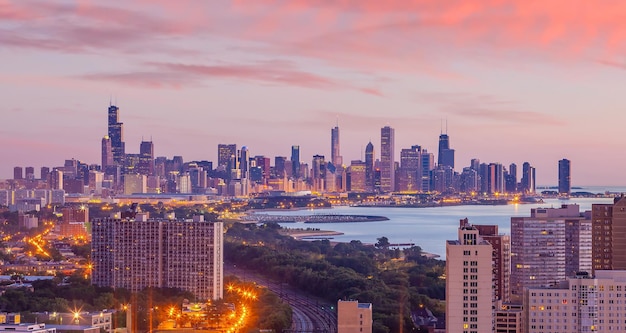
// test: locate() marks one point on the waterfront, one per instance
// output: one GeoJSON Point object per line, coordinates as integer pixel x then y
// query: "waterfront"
{"type": "Point", "coordinates": [428, 228]}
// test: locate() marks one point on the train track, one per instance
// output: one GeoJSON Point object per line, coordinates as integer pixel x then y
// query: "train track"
{"type": "Point", "coordinates": [309, 314]}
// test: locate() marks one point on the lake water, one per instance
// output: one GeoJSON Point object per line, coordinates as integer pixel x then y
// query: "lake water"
{"type": "Point", "coordinates": [428, 228]}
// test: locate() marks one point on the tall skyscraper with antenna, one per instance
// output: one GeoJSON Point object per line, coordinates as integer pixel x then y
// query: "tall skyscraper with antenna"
{"type": "Point", "coordinates": [446, 155]}
{"type": "Point", "coordinates": [116, 135]}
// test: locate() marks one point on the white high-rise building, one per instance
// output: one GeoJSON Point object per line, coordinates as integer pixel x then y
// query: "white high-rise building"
{"type": "Point", "coordinates": [174, 253]}
{"type": "Point", "coordinates": [469, 287]}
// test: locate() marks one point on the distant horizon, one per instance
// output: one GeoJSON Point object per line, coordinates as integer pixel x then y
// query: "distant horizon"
{"type": "Point", "coordinates": [515, 81]}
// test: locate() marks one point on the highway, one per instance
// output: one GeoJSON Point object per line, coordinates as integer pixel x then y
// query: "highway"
{"type": "Point", "coordinates": [309, 314]}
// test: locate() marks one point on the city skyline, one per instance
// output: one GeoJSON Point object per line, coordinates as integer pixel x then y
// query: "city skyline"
{"type": "Point", "coordinates": [189, 75]}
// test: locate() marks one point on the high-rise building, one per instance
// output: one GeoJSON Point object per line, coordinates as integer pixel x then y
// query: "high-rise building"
{"type": "Point", "coordinates": [45, 173]}
{"type": "Point", "coordinates": [469, 277]}
{"type": "Point", "coordinates": [427, 165]}
{"type": "Point", "coordinates": [354, 317]}
{"type": "Point", "coordinates": [56, 179]}
{"type": "Point", "coordinates": [446, 155]}
{"type": "Point", "coordinates": [358, 176]}
{"type": "Point", "coordinates": [583, 303]}
{"type": "Point", "coordinates": [501, 259]}
{"type": "Point", "coordinates": [174, 254]}
{"type": "Point", "coordinates": [609, 226]}
{"type": "Point", "coordinates": [409, 177]}
{"type": "Point", "coordinates": [135, 183]}
{"type": "Point", "coordinates": [244, 162]}
{"type": "Point", "coordinates": [510, 180]}
{"type": "Point", "coordinates": [565, 186]}
{"type": "Point", "coordinates": [107, 152]}
{"type": "Point", "coordinates": [469, 180]}
{"type": "Point", "coordinates": [116, 134]}
{"type": "Point", "coordinates": [369, 166]}
{"type": "Point", "coordinates": [265, 164]}
{"type": "Point", "coordinates": [528, 178]}
{"type": "Point", "coordinates": [29, 173]}
{"type": "Point", "coordinates": [336, 158]}
{"type": "Point", "coordinates": [279, 166]}
{"type": "Point", "coordinates": [495, 178]}
{"type": "Point", "coordinates": [145, 165]}
{"type": "Point", "coordinates": [295, 161]}
{"type": "Point", "coordinates": [387, 161]}
{"type": "Point", "coordinates": [18, 173]}
{"type": "Point", "coordinates": [542, 247]}
{"type": "Point", "coordinates": [225, 154]}
{"type": "Point", "coordinates": [318, 173]}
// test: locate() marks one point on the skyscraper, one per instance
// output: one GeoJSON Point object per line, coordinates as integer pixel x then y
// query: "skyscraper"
{"type": "Point", "coordinates": [244, 161]}
{"type": "Point", "coordinates": [511, 179]}
{"type": "Point", "coordinates": [29, 173]}
{"type": "Point", "coordinates": [469, 277]}
{"type": "Point", "coordinates": [116, 134]}
{"type": "Point", "coordinates": [295, 161]}
{"type": "Point", "coordinates": [174, 254]}
{"type": "Point", "coordinates": [336, 158]}
{"type": "Point", "coordinates": [542, 247]}
{"type": "Point", "coordinates": [107, 152]}
{"type": "Point", "coordinates": [146, 158]}
{"type": "Point", "coordinates": [501, 244]}
{"type": "Point", "coordinates": [564, 177]}
{"type": "Point", "coordinates": [225, 153]}
{"type": "Point", "coordinates": [369, 166]}
{"type": "Point", "coordinates": [357, 176]}
{"type": "Point", "coordinates": [318, 175]}
{"type": "Point", "coordinates": [410, 178]}
{"type": "Point", "coordinates": [427, 164]}
{"type": "Point", "coordinates": [609, 226]}
{"type": "Point", "coordinates": [18, 173]}
{"type": "Point", "coordinates": [387, 167]}
{"type": "Point", "coordinates": [528, 178]}
{"type": "Point", "coordinates": [446, 155]}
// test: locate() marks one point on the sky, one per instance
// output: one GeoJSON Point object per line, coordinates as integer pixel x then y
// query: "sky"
{"type": "Point", "coordinates": [515, 81]}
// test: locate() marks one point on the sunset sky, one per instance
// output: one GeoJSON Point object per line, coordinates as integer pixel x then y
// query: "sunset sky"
{"type": "Point", "coordinates": [517, 81]}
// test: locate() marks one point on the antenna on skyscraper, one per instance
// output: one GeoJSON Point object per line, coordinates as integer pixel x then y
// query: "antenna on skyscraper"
{"type": "Point", "coordinates": [111, 99]}
{"type": "Point", "coordinates": [337, 121]}
{"type": "Point", "coordinates": [440, 126]}
{"type": "Point", "coordinates": [446, 125]}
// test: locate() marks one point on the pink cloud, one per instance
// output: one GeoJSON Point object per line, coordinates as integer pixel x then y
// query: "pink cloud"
{"type": "Point", "coordinates": [482, 107]}
{"type": "Point", "coordinates": [176, 75]}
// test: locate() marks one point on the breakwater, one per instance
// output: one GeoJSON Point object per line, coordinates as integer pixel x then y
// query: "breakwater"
{"type": "Point", "coordinates": [317, 218]}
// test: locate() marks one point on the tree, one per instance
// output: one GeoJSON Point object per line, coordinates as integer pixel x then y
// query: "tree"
{"type": "Point", "coordinates": [383, 242]}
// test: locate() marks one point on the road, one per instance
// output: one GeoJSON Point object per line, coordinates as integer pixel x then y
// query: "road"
{"type": "Point", "coordinates": [309, 314]}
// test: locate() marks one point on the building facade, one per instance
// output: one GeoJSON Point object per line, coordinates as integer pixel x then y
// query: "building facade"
{"type": "Point", "coordinates": [354, 317]}
{"type": "Point", "coordinates": [469, 288]}
{"type": "Point", "coordinates": [609, 235]}
{"type": "Point", "coordinates": [581, 304]}
{"type": "Point", "coordinates": [139, 253]}
{"type": "Point", "coordinates": [540, 244]}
